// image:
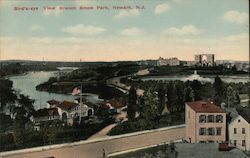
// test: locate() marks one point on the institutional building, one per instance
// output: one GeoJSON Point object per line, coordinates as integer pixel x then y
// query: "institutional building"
{"type": "Point", "coordinates": [204, 59]}
{"type": "Point", "coordinates": [205, 122]}
{"type": "Point", "coordinates": [170, 61]}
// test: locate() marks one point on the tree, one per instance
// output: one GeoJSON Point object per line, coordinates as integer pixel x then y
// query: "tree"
{"type": "Point", "coordinates": [172, 97]}
{"type": "Point", "coordinates": [22, 112]}
{"type": "Point", "coordinates": [231, 99]}
{"type": "Point", "coordinates": [161, 97]}
{"type": "Point", "coordinates": [237, 98]}
{"type": "Point", "coordinates": [196, 86]}
{"type": "Point", "coordinates": [188, 94]}
{"type": "Point", "coordinates": [132, 103]}
{"type": "Point", "coordinates": [150, 106]}
{"type": "Point", "coordinates": [7, 94]}
{"type": "Point", "coordinates": [180, 96]}
{"type": "Point", "coordinates": [218, 87]}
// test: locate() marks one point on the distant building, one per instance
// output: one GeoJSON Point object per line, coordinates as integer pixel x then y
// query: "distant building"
{"type": "Point", "coordinates": [239, 131]}
{"type": "Point", "coordinates": [170, 61]}
{"type": "Point", "coordinates": [205, 122]}
{"type": "Point", "coordinates": [204, 59]}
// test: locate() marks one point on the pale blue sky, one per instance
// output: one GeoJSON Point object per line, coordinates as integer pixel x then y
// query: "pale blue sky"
{"type": "Point", "coordinates": [164, 28]}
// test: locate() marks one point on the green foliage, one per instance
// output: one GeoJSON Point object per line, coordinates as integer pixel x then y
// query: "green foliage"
{"type": "Point", "coordinates": [132, 103]}
{"type": "Point", "coordinates": [161, 97]}
{"type": "Point", "coordinates": [219, 90]}
{"type": "Point", "coordinates": [7, 94]}
{"type": "Point", "coordinates": [150, 106]}
{"type": "Point", "coordinates": [188, 94]}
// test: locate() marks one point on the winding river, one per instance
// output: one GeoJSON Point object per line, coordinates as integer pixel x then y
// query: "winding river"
{"type": "Point", "coordinates": [27, 83]}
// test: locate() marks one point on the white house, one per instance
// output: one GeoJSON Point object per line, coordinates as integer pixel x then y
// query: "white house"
{"type": "Point", "coordinates": [43, 115]}
{"type": "Point", "coordinates": [70, 111]}
{"type": "Point", "coordinates": [239, 132]}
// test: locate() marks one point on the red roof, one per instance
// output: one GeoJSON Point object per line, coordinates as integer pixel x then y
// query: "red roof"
{"type": "Point", "coordinates": [66, 105]}
{"type": "Point", "coordinates": [204, 107]}
{"type": "Point", "coordinates": [53, 102]}
{"type": "Point", "coordinates": [46, 112]}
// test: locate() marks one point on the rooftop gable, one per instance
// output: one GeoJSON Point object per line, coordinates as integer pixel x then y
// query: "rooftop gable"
{"type": "Point", "coordinates": [66, 105]}
{"type": "Point", "coordinates": [46, 112]}
{"type": "Point", "coordinates": [204, 107]}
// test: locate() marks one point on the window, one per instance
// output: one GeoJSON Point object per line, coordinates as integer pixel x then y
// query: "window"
{"type": "Point", "coordinates": [243, 143]}
{"type": "Point", "coordinates": [202, 131]}
{"type": "Point", "coordinates": [239, 120]}
{"type": "Point", "coordinates": [235, 142]}
{"type": "Point", "coordinates": [218, 131]}
{"type": "Point", "coordinates": [243, 131]}
{"type": "Point", "coordinates": [210, 131]}
{"type": "Point", "coordinates": [202, 119]}
{"type": "Point", "coordinates": [235, 130]}
{"type": "Point", "coordinates": [210, 118]}
{"type": "Point", "coordinates": [219, 118]}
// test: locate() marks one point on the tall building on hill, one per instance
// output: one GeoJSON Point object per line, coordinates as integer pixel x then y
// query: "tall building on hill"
{"type": "Point", "coordinates": [170, 61]}
{"type": "Point", "coordinates": [204, 59]}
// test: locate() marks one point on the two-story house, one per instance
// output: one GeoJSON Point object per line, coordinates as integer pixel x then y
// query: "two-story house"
{"type": "Point", "coordinates": [239, 132]}
{"type": "Point", "coordinates": [205, 122]}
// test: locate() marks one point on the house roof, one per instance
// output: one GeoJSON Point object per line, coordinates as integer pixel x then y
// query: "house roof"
{"type": "Point", "coordinates": [66, 105]}
{"type": "Point", "coordinates": [53, 102]}
{"type": "Point", "coordinates": [45, 112]}
{"type": "Point", "coordinates": [204, 107]}
{"type": "Point", "coordinates": [245, 116]}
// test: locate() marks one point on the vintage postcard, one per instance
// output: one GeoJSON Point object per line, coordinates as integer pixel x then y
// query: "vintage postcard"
{"type": "Point", "coordinates": [124, 79]}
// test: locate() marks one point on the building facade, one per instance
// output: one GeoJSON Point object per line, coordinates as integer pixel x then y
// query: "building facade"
{"type": "Point", "coordinates": [205, 122]}
{"type": "Point", "coordinates": [43, 115]}
{"type": "Point", "coordinates": [70, 111]}
{"type": "Point", "coordinates": [170, 61]}
{"type": "Point", "coordinates": [204, 59]}
{"type": "Point", "coordinates": [239, 133]}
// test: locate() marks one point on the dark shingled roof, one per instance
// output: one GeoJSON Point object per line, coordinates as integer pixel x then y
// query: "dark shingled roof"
{"type": "Point", "coordinates": [45, 112]}
{"type": "Point", "coordinates": [53, 102]}
{"type": "Point", "coordinates": [66, 105]}
{"type": "Point", "coordinates": [204, 107]}
{"type": "Point", "coordinates": [245, 115]}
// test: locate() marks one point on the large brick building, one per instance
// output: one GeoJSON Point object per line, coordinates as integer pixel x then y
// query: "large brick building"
{"type": "Point", "coordinates": [205, 122]}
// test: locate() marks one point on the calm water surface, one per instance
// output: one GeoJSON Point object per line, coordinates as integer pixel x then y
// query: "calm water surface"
{"type": "Point", "coordinates": [27, 85]}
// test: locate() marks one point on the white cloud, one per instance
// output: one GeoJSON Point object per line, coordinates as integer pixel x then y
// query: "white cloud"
{"type": "Point", "coordinates": [237, 17]}
{"type": "Point", "coordinates": [162, 8]}
{"type": "Point", "coordinates": [239, 38]}
{"type": "Point", "coordinates": [132, 32]}
{"type": "Point", "coordinates": [84, 30]}
{"type": "Point", "coordinates": [185, 30]}
{"type": "Point", "coordinates": [127, 13]}
{"type": "Point", "coordinates": [8, 3]}
{"type": "Point", "coordinates": [36, 27]}
{"type": "Point", "coordinates": [55, 12]}
{"type": "Point", "coordinates": [182, 1]}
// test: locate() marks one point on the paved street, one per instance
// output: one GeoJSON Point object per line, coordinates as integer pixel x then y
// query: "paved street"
{"type": "Point", "coordinates": [94, 148]}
